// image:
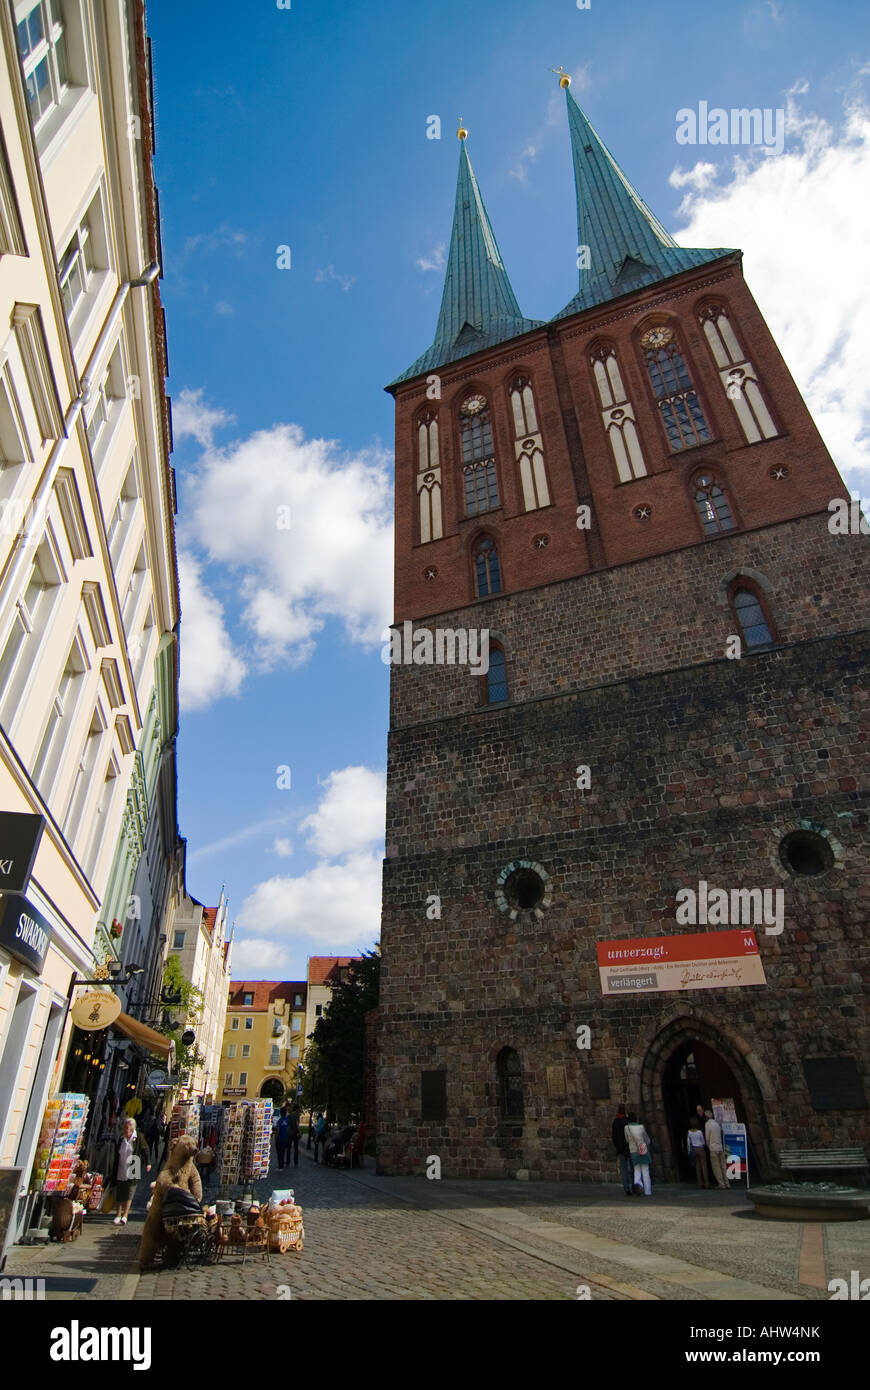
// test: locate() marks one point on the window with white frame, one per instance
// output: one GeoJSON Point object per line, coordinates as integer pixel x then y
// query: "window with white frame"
{"type": "Point", "coordinates": [617, 413]}
{"type": "Point", "coordinates": [246, 1049]}
{"type": "Point", "coordinates": [61, 717]}
{"type": "Point", "coordinates": [84, 775]}
{"type": "Point", "coordinates": [84, 258]}
{"type": "Point", "coordinates": [228, 1078]}
{"type": "Point", "coordinates": [30, 621]}
{"type": "Point", "coordinates": [14, 447]}
{"type": "Point", "coordinates": [106, 396]}
{"type": "Point", "coordinates": [243, 1078]}
{"type": "Point", "coordinates": [118, 524]}
{"type": "Point", "coordinates": [43, 52]}
{"type": "Point", "coordinates": [297, 1001]}
{"type": "Point", "coordinates": [297, 1023]}
{"type": "Point", "coordinates": [737, 374]}
{"type": "Point", "coordinates": [231, 1050]}
{"type": "Point", "coordinates": [294, 1051]}
{"type": "Point", "coordinates": [249, 1024]}
{"type": "Point", "coordinates": [528, 445]}
{"type": "Point", "coordinates": [101, 815]}
{"type": "Point", "coordinates": [135, 586]}
{"type": "Point", "coordinates": [234, 1025]}
{"type": "Point", "coordinates": [274, 1055]}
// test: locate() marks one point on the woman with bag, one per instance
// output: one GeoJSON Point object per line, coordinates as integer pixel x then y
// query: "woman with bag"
{"type": "Point", "coordinates": [131, 1151]}
{"type": "Point", "coordinates": [639, 1148]}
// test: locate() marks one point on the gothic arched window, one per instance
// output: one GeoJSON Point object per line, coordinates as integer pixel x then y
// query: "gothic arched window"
{"type": "Point", "coordinates": [751, 615]}
{"type": "Point", "coordinates": [528, 445]}
{"type": "Point", "coordinates": [673, 388]}
{"type": "Point", "coordinates": [712, 504]}
{"type": "Point", "coordinates": [617, 414]}
{"type": "Point", "coordinates": [509, 1075]}
{"type": "Point", "coordinates": [496, 677]}
{"type": "Point", "coordinates": [737, 374]}
{"type": "Point", "coordinates": [429, 478]}
{"type": "Point", "coordinates": [486, 568]}
{"type": "Point", "coordinates": [478, 456]}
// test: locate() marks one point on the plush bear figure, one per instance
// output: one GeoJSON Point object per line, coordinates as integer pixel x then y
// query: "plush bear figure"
{"type": "Point", "coordinates": [179, 1170]}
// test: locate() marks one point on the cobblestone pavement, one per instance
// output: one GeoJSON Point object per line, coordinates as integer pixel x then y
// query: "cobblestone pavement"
{"type": "Point", "coordinates": [362, 1243]}
{"type": "Point", "coordinates": [368, 1237]}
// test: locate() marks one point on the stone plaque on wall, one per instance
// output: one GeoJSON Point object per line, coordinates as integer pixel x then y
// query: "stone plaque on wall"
{"type": "Point", "coordinates": [599, 1083]}
{"type": "Point", "coordinates": [557, 1084]}
{"type": "Point", "coordinates": [834, 1083]}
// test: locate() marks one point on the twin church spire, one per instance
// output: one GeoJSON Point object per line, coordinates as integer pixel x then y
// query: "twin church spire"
{"type": "Point", "coordinates": [622, 246]}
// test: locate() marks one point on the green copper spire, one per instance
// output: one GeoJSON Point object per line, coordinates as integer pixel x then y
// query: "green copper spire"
{"type": "Point", "coordinates": [478, 307]}
{"type": "Point", "coordinates": [627, 245]}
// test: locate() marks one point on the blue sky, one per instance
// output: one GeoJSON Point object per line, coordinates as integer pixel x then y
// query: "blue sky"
{"type": "Point", "coordinates": [307, 128]}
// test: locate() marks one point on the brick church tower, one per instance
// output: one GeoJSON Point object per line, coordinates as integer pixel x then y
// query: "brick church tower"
{"type": "Point", "coordinates": [633, 502]}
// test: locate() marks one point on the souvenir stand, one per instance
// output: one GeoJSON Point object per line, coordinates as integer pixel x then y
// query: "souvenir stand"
{"type": "Point", "coordinates": [184, 1120]}
{"type": "Point", "coordinates": [257, 1139]}
{"type": "Point", "coordinates": [211, 1123]}
{"type": "Point", "coordinates": [230, 1157]}
{"type": "Point", "coordinates": [60, 1139]}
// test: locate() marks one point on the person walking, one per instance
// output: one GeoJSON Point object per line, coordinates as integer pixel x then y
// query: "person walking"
{"type": "Point", "coordinates": [281, 1137]}
{"type": "Point", "coordinates": [131, 1151]}
{"type": "Point", "coordinates": [639, 1148]}
{"type": "Point", "coordinates": [319, 1134]}
{"type": "Point", "coordinates": [716, 1150]}
{"type": "Point", "coordinates": [698, 1153]}
{"type": "Point", "coordinates": [623, 1153]}
{"type": "Point", "coordinates": [293, 1135]}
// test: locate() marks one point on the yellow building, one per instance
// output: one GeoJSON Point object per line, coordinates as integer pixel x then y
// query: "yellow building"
{"type": "Point", "coordinates": [264, 1037]}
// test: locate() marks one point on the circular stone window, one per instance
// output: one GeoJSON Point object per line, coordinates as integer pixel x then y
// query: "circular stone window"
{"type": "Point", "coordinates": [806, 853]}
{"type": "Point", "coordinates": [523, 886]}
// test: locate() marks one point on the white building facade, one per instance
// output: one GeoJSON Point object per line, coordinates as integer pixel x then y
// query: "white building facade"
{"type": "Point", "coordinates": [89, 604]}
{"type": "Point", "coordinates": [200, 940]}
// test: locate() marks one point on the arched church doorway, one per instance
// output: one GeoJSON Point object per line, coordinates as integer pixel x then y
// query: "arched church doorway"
{"type": "Point", "coordinates": [692, 1062]}
{"type": "Point", "coordinates": [695, 1075]}
{"type": "Point", "coordinates": [272, 1090]}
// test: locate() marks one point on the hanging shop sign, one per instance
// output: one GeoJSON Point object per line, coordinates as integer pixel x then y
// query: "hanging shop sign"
{"type": "Point", "coordinates": [96, 1009]}
{"type": "Point", "coordinates": [20, 833]}
{"type": "Point", "coordinates": [698, 960]}
{"type": "Point", "coordinates": [24, 932]}
{"type": "Point", "coordinates": [156, 1078]}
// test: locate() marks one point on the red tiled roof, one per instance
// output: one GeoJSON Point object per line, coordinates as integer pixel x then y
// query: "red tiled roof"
{"type": "Point", "coordinates": [209, 917]}
{"type": "Point", "coordinates": [323, 970]}
{"type": "Point", "coordinates": [264, 992]}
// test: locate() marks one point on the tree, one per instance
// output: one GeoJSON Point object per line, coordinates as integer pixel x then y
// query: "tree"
{"type": "Point", "coordinates": [187, 1003]}
{"type": "Point", "coordinates": [339, 1037]}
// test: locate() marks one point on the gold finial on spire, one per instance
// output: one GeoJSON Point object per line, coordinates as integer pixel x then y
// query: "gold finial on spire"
{"type": "Point", "coordinates": [462, 133]}
{"type": "Point", "coordinates": [564, 78]}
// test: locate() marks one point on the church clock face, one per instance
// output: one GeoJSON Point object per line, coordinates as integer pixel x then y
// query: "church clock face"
{"type": "Point", "coordinates": [473, 405]}
{"type": "Point", "coordinates": [656, 337]}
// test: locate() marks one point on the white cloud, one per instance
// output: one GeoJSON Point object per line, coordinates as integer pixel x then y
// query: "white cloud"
{"type": "Point", "coordinates": [209, 666]}
{"type": "Point", "coordinates": [437, 259]}
{"type": "Point", "coordinates": [221, 239]}
{"type": "Point", "coordinates": [258, 959]}
{"type": "Point", "coordinates": [337, 905]}
{"type": "Point", "coordinates": [801, 219]}
{"type": "Point", "coordinates": [283, 848]}
{"type": "Point", "coordinates": [335, 561]}
{"type": "Point", "coordinates": [699, 177]}
{"type": "Point", "coordinates": [350, 815]}
{"type": "Point", "coordinates": [191, 418]}
{"type": "Point", "coordinates": [239, 837]}
{"type": "Point", "coordinates": [330, 273]}
{"type": "Point", "coordinates": [521, 170]}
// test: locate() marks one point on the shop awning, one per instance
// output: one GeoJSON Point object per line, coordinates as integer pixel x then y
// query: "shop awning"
{"type": "Point", "coordinates": [146, 1037]}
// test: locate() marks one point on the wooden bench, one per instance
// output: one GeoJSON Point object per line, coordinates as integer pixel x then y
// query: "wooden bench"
{"type": "Point", "coordinates": [801, 1160]}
